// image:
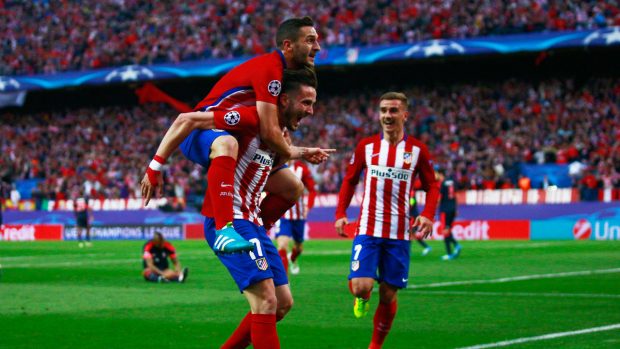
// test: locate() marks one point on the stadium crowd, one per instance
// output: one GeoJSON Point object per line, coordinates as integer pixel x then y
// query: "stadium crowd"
{"type": "Point", "coordinates": [53, 36]}
{"type": "Point", "coordinates": [478, 132]}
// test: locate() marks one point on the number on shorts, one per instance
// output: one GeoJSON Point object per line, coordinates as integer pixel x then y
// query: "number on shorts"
{"type": "Point", "coordinates": [259, 249]}
{"type": "Point", "coordinates": [358, 249]}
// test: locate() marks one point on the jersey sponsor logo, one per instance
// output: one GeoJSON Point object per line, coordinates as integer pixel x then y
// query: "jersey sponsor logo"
{"type": "Point", "coordinates": [263, 158]}
{"type": "Point", "coordinates": [261, 263]}
{"type": "Point", "coordinates": [582, 230]}
{"type": "Point", "coordinates": [232, 118]}
{"type": "Point", "coordinates": [389, 173]}
{"type": "Point", "coordinates": [355, 265]}
{"type": "Point", "coordinates": [274, 87]}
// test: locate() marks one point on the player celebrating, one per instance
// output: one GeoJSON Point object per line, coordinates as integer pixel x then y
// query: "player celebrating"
{"type": "Point", "coordinates": [392, 160]}
{"type": "Point", "coordinates": [292, 225]}
{"type": "Point", "coordinates": [256, 82]}
{"type": "Point", "coordinates": [155, 261]}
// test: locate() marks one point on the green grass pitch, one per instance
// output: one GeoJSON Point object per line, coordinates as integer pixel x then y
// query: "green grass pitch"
{"type": "Point", "coordinates": [55, 295]}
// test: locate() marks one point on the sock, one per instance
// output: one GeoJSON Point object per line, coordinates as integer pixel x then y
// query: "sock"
{"type": "Point", "coordinates": [221, 178]}
{"type": "Point", "coordinates": [152, 277]}
{"type": "Point", "coordinates": [272, 208]}
{"type": "Point", "coordinates": [263, 332]}
{"type": "Point", "coordinates": [384, 316]}
{"type": "Point", "coordinates": [282, 253]}
{"type": "Point", "coordinates": [295, 253]}
{"type": "Point", "coordinates": [446, 241]}
{"type": "Point", "coordinates": [241, 337]}
{"type": "Point", "coordinates": [421, 242]}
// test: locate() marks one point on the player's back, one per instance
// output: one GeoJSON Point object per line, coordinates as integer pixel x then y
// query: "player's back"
{"type": "Point", "coordinates": [259, 78]}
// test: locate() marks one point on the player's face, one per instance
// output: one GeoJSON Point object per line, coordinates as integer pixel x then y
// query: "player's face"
{"type": "Point", "coordinates": [300, 105]}
{"type": "Point", "coordinates": [392, 115]}
{"type": "Point", "coordinates": [306, 47]}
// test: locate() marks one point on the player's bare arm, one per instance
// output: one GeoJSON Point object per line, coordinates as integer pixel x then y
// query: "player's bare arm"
{"type": "Point", "coordinates": [339, 225]}
{"type": "Point", "coordinates": [151, 266]}
{"type": "Point", "coordinates": [271, 132]}
{"type": "Point", "coordinates": [182, 126]}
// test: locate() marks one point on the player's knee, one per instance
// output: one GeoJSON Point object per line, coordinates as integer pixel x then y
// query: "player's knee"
{"type": "Point", "coordinates": [268, 304]}
{"type": "Point", "coordinates": [225, 146]}
{"type": "Point", "coordinates": [361, 289]}
{"type": "Point", "coordinates": [284, 306]}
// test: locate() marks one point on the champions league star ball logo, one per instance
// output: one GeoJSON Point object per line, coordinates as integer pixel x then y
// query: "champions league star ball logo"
{"type": "Point", "coordinates": [607, 36]}
{"type": "Point", "coordinates": [435, 48]}
{"type": "Point", "coordinates": [274, 87]}
{"type": "Point", "coordinates": [232, 118]}
{"type": "Point", "coordinates": [8, 84]}
{"type": "Point", "coordinates": [129, 73]}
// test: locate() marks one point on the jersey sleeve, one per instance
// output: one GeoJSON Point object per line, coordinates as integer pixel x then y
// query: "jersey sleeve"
{"type": "Point", "coordinates": [308, 181]}
{"type": "Point", "coordinates": [171, 251]}
{"type": "Point", "coordinates": [147, 251]}
{"type": "Point", "coordinates": [239, 120]}
{"type": "Point", "coordinates": [351, 178]}
{"type": "Point", "coordinates": [267, 80]}
{"type": "Point", "coordinates": [429, 184]}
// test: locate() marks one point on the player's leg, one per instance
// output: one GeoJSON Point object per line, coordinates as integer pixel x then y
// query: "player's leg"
{"type": "Point", "coordinates": [88, 243]}
{"type": "Point", "coordinates": [78, 229]}
{"type": "Point", "coordinates": [283, 238]}
{"type": "Point", "coordinates": [426, 248]}
{"type": "Point", "coordinates": [170, 274]}
{"type": "Point", "coordinates": [393, 275]}
{"type": "Point", "coordinates": [363, 272]}
{"type": "Point", "coordinates": [299, 227]}
{"type": "Point", "coordinates": [217, 151]}
{"type": "Point", "coordinates": [384, 315]}
{"type": "Point", "coordinates": [284, 189]}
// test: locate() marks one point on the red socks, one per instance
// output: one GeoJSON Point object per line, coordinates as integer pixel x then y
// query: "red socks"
{"type": "Point", "coordinates": [282, 254]}
{"type": "Point", "coordinates": [240, 339]}
{"type": "Point", "coordinates": [220, 179]}
{"type": "Point", "coordinates": [272, 208]}
{"type": "Point", "coordinates": [382, 323]}
{"type": "Point", "coordinates": [263, 332]}
{"type": "Point", "coordinates": [295, 253]}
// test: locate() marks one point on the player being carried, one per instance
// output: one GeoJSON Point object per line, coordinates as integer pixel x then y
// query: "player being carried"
{"type": "Point", "coordinates": [382, 243]}
{"type": "Point", "coordinates": [257, 82]}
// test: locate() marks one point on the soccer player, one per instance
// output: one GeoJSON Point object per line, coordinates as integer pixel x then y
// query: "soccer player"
{"type": "Point", "coordinates": [82, 219]}
{"type": "Point", "coordinates": [292, 225]}
{"type": "Point", "coordinates": [447, 213]}
{"type": "Point", "coordinates": [155, 254]}
{"type": "Point", "coordinates": [382, 242]}
{"type": "Point", "coordinates": [257, 82]}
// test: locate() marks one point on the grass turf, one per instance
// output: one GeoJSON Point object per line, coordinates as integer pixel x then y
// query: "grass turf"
{"type": "Point", "coordinates": [54, 295]}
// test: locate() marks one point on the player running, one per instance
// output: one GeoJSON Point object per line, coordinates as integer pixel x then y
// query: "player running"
{"type": "Point", "coordinates": [293, 224]}
{"type": "Point", "coordinates": [447, 213]}
{"type": "Point", "coordinates": [257, 82]}
{"type": "Point", "coordinates": [382, 242]}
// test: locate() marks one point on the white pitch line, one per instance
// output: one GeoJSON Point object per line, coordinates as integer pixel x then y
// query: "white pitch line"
{"type": "Point", "coordinates": [522, 294]}
{"type": "Point", "coordinates": [82, 263]}
{"type": "Point", "coordinates": [544, 337]}
{"type": "Point", "coordinates": [516, 278]}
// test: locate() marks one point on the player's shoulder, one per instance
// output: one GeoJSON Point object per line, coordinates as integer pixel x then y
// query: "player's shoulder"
{"type": "Point", "coordinates": [168, 246]}
{"type": "Point", "coordinates": [416, 142]}
{"type": "Point", "coordinates": [147, 246]}
{"type": "Point", "coordinates": [273, 60]}
{"type": "Point", "coordinates": [368, 140]}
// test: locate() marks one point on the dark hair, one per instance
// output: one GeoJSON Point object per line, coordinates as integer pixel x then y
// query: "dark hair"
{"type": "Point", "coordinates": [292, 80]}
{"type": "Point", "coordinates": [395, 96]}
{"type": "Point", "coordinates": [159, 235]}
{"type": "Point", "coordinates": [289, 29]}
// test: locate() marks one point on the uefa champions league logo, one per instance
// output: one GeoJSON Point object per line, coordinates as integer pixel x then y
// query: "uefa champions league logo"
{"type": "Point", "coordinates": [274, 87]}
{"type": "Point", "coordinates": [232, 118]}
{"type": "Point", "coordinates": [435, 48]}
{"type": "Point", "coordinates": [129, 73]}
{"type": "Point", "coordinates": [8, 84]}
{"type": "Point", "coordinates": [605, 36]}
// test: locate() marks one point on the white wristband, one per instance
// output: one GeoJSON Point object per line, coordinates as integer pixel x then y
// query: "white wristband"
{"type": "Point", "coordinates": [155, 165]}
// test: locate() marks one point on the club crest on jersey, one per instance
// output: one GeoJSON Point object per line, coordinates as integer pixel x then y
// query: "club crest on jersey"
{"type": "Point", "coordinates": [407, 158]}
{"type": "Point", "coordinates": [232, 118]}
{"type": "Point", "coordinates": [355, 265]}
{"type": "Point", "coordinates": [274, 87]}
{"type": "Point", "coordinates": [261, 263]}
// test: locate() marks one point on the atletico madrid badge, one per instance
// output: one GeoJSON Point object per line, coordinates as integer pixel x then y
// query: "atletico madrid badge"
{"type": "Point", "coordinates": [355, 265]}
{"type": "Point", "coordinates": [407, 158]}
{"type": "Point", "coordinates": [261, 263]}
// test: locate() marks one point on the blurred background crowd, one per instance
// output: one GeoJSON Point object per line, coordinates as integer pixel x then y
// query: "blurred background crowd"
{"type": "Point", "coordinates": [45, 37]}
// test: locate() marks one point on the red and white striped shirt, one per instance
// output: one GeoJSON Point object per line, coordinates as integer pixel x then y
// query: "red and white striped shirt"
{"type": "Point", "coordinates": [298, 211]}
{"type": "Point", "coordinates": [254, 164]}
{"type": "Point", "coordinates": [390, 174]}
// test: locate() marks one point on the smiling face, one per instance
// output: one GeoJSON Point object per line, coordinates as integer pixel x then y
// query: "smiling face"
{"type": "Point", "coordinates": [392, 115]}
{"type": "Point", "coordinates": [305, 48]}
{"type": "Point", "coordinates": [297, 105]}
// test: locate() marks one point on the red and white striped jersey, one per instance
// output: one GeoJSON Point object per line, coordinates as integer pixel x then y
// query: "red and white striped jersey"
{"type": "Point", "coordinates": [390, 174]}
{"type": "Point", "coordinates": [298, 211]}
{"type": "Point", "coordinates": [254, 163]}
